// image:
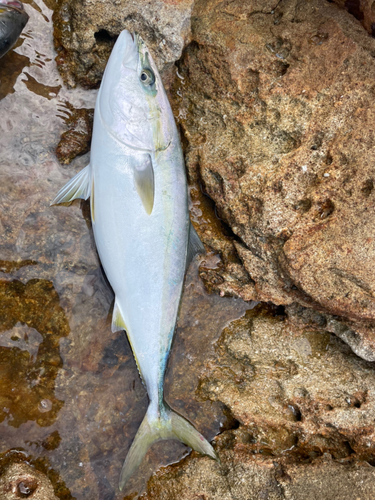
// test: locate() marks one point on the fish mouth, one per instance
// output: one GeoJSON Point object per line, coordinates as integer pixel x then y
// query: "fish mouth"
{"type": "Point", "coordinates": [14, 4]}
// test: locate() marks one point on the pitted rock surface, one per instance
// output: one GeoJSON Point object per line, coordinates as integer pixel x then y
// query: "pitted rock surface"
{"type": "Point", "coordinates": [295, 390]}
{"type": "Point", "coordinates": [276, 105]}
{"type": "Point", "coordinates": [256, 477]}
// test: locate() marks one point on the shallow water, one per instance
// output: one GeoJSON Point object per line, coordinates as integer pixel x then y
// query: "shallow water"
{"type": "Point", "coordinates": [70, 396]}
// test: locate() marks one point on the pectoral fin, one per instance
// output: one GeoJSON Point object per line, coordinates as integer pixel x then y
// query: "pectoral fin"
{"type": "Point", "coordinates": [78, 187]}
{"type": "Point", "coordinates": [144, 182]}
{"type": "Point", "coordinates": [195, 246]}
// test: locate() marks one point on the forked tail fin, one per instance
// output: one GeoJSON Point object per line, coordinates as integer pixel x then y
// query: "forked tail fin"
{"type": "Point", "coordinates": [170, 426]}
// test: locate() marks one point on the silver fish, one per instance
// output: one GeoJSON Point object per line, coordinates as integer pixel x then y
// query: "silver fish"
{"type": "Point", "coordinates": [13, 19]}
{"type": "Point", "coordinates": [137, 186]}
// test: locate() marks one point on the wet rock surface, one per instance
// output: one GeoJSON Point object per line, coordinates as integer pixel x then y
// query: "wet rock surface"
{"type": "Point", "coordinates": [275, 103]}
{"type": "Point", "coordinates": [77, 139]}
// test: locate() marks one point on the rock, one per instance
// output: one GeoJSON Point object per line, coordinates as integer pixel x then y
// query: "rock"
{"type": "Point", "coordinates": [256, 477]}
{"type": "Point", "coordinates": [276, 107]}
{"type": "Point", "coordinates": [30, 334]}
{"type": "Point", "coordinates": [347, 331]}
{"type": "Point", "coordinates": [22, 481]}
{"type": "Point", "coordinates": [295, 390]}
{"type": "Point", "coordinates": [77, 139]}
{"type": "Point", "coordinates": [85, 33]}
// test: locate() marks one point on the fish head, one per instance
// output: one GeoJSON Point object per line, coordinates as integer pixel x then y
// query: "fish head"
{"type": "Point", "coordinates": [132, 101]}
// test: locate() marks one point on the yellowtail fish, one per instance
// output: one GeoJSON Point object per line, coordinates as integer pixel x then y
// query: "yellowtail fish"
{"type": "Point", "coordinates": [13, 19]}
{"type": "Point", "coordinates": [137, 186]}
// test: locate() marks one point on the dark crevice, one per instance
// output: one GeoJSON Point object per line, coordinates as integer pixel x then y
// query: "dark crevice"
{"type": "Point", "coordinates": [230, 423]}
{"type": "Point", "coordinates": [349, 449]}
{"type": "Point", "coordinates": [354, 8]}
{"type": "Point", "coordinates": [277, 311]}
{"type": "Point", "coordinates": [296, 412]}
{"type": "Point", "coordinates": [368, 187]}
{"type": "Point", "coordinates": [227, 230]}
{"type": "Point", "coordinates": [103, 36]}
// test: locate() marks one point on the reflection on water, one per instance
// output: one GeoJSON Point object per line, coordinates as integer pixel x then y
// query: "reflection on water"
{"type": "Point", "coordinates": [40, 89]}
{"type": "Point", "coordinates": [12, 65]}
{"type": "Point", "coordinates": [71, 399]}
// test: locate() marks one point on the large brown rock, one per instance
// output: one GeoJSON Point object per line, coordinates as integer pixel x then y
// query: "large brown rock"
{"type": "Point", "coordinates": [295, 390]}
{"type": "Point", "coordinates": [276, 105]}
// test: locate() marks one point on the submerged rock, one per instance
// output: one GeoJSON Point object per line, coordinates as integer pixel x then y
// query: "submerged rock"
{"type": "Point", "coordinates": [77, 139]}
{"type": "Point", "coordinates": [22, 481]}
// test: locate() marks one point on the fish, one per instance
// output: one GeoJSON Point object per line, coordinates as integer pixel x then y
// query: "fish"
{"type": "Point", "coordinates": [137, 185]}
{"type": "Point", "coordinates": [13, 19]}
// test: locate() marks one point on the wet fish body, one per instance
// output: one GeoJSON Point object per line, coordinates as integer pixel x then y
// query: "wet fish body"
{"type": "Point", "coordinates": [13, 19]}
{"type": "Point", "coordinates": [139, 207]}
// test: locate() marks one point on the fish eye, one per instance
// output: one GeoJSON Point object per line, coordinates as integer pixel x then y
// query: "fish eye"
{"type": "Point", "coordinates": [147, 77]}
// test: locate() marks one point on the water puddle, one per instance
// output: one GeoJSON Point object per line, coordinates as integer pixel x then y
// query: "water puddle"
{"type": "Point", "coordinates": [71, 399]}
